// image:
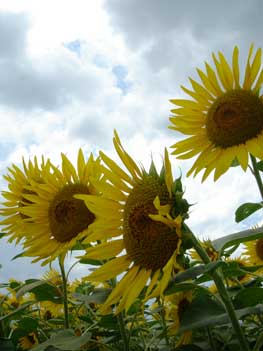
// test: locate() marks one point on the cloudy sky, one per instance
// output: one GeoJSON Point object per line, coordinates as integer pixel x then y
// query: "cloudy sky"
{"type": "Point", "coordinates": [72, 71]}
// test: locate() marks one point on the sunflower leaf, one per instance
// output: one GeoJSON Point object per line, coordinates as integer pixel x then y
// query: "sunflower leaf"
{"type": "Point", "coordinates": [248, 297]}
{"type": "Point", "coordinates": [246, 210]}
{"type": "Point", "coordinates": [6, 345]}
{"type": "Point", "coordinates": [65, 340]}
{"type": "Point", "coordinates": [237, 238]}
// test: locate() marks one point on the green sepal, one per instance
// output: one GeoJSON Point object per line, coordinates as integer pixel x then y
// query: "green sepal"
{"type": "Point", "coordinates": [235, 163]}
{"type": "Point", "coordinates": [152, 170]}
{"type": "Point", "coordinates": [260, 166]}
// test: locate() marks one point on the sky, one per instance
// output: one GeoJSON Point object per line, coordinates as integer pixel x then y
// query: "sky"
{"type": "Point", "coordinates": [73, 71]}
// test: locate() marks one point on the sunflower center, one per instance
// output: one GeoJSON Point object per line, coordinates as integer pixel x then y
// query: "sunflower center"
{"type": "Point", "coordinates": [69, 216]}
{"type": "Point", "coordinates": [234, 118]}
{"type": "Point", "coordinates": [148, 243]}
{"type": "Point", "coordinates": [259, 248]}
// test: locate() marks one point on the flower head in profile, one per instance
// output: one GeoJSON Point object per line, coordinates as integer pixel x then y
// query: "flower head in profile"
{"type": "Point", "coordinates": [18, 180]}
{"type": "Point", "coordinates": [28, 341]}
{"type": "Point", "coordinates": [210, 250]}
{"type": "Point", "coordinates": [242, 276]}
{"type": "Point", "coordinates": [138, 224]}
{"type": "Point", "coordinates": [175, 306]}
{"type": "Point", "coordinates": [53, 219]}
{"type": "Point", "coordinates": [254, 253]}
{"type": "Point", "coordinates": [223, 118]}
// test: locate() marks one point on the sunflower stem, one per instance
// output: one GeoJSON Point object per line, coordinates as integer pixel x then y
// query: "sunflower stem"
{"type": "Point", "coordinates": [223, 293]}
{"type": "Point", "coordinates": [65, 292]}
{"type": "Point", "coordinates": [121, 324]}
{"type": "Point", "coordinates": [256, 174]}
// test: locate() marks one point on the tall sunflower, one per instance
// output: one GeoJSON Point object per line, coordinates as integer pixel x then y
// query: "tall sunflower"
{"type": "Point", "coordinates": [18, 182]}
{"type": "Point", "coordinates": [52, 218]}
{"type": "Point", "coordinates": [224, 118]}
{"type": "Point", "coordinates": [138, 222]}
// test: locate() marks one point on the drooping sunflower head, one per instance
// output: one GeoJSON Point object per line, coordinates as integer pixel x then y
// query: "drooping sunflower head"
{"type": "Point", "coordinates": [224, 118]}
{"type": "Point", "coordinates": [53, 218]}
{"type": "Point", "coordinates": [18, 182]}
{"type": "Point", "coordinates": [138, 219]}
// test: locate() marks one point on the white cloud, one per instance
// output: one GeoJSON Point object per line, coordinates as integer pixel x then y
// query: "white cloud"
{"type": "Point", "coordinates": [54, 99]}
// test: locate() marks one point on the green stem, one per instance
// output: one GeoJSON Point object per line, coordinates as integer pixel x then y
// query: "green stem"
{"type": "Point", "coordinates": [256, 174]}
{"type": "Point", "coordinates": [65, 292]}
{"type": "Point", "coordinates": [121, 323]}
{"type": "Point", "coordinates": [164, 326]}
{"type": "Point", "coordinates": [123, 331]}
{"type": "Point", "coordinates": [224, 295]}
{"type": "Point", "coordinates": [211, 341]}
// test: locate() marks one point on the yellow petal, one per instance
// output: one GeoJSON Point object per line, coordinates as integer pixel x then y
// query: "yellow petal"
{"type": "Point", "coordinates": [235, 67]}
{"type": "Point", "coordinates": [121, 287]}
{"type": "Point", "coordinates": [138, 285]}
{"type": "Point", "coordinates": [242, 156]}
{"type": "Point", "coordinates": [110, 269]}
{"type": "Point", "coordinates": [105, 250]}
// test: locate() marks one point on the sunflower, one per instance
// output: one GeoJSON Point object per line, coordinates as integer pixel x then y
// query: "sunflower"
{"type": "Point", "coordinates": [242, 277]}
{"type": "Point", "coordinates": [210, 250]}
{"type": "Point", "coordinates": [138, 222]}
{"type": "Point", "coordinates": [254, 252]}
{"type": "Point", "coordinates": [175, 306]}
{"type": "Point", "coordinates": [224, 119]}
{"type": "Point", "coordinates": [27, 342]}
{"type": "Point", "coordinates": [54, 220]}
{"type": "Point", "coordinates": [18, 182]}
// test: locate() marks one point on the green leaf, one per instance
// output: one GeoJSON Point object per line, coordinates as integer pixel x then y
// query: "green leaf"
{"type": "Point", "coordinates": [200, 312]}
{"type": "Point", "coordinates": [65, 340]}
{"type": "Point", "coordinates": [6, 345]}
{"type": "Point", "coordinates": [173, 288]}
{"type": "Point", "coordinates": [189, 273]}
{"type": "Point", "coordinates": [43, 291]}
{"type": "Point", "coordinates": [98, 296]}
{"type": "Point", "coordinates": [248, 297]}
{"type": "Point", "coordinates": [19, 309]}
{"type": "Point", "coordinates": [29, 324]}
{"type": "Point", "coordinates": [91, 262]}
{"type": "Point", "coordinates": [237, 238]}
{"type": "Point", "coordinates": [246, 210]}
{"type": "Point", "coordinates": [208, 318]}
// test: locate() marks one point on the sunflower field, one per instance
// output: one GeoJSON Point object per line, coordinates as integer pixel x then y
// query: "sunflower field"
{"type": "Point", "coordinates": [151, 284]}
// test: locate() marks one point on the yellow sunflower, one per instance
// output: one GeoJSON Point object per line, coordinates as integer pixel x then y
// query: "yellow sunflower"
{"type": "Point", "coordinates": [18, 182]}
{"type": "Point", "coordinates": [175, 306]}
{"type": "Point", "coordinates": [27, 342]}
{"type": "Point", "coordinates": [54, 220]}
{"type": "Point", "coordinates": [254, 252]}
{"type": "Point", "coordinates": [210, 250]}
{"type": "Point", "coordinates": [138, 222]}
{"type": "Point", "coordinates": [242, 278]}
{"type": "Point", "coordinates": [224, 118]}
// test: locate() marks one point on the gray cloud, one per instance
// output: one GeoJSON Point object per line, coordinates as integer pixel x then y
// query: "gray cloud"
{"type": "Point", "coordinates": [46, 83]}
{"type": "Point", "coordinates": [13, 29]}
